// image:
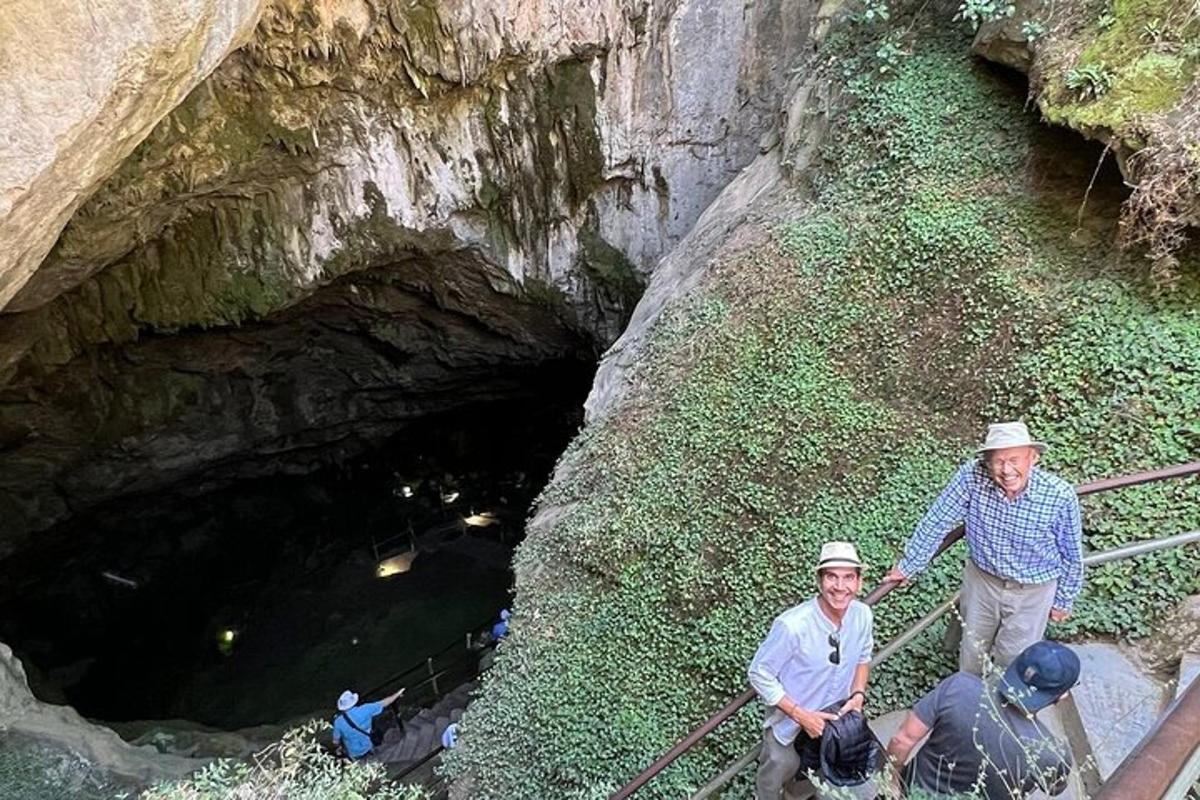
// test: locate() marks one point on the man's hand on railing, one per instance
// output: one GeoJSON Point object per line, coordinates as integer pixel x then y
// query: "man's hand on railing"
{"type": "Point", "coordinates": [896, 576]}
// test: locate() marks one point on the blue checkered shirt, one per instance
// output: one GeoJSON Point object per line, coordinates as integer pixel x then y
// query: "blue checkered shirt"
{"type": "Point", "coordinates": [1036, 538]}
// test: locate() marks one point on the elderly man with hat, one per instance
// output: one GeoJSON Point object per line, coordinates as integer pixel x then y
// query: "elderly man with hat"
{"type": "Point", "coordinates": [1024, 546]}
{"type": "Point", "coordinates": [817, 655]}
{"type": "Point", "coordinates": [985, 739]}
{"type": "Point", "coordinates": [352, 725]}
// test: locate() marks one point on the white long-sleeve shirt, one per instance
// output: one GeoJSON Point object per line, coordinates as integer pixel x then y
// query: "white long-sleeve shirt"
{"type": "Point", "coordinates": [794, 661]}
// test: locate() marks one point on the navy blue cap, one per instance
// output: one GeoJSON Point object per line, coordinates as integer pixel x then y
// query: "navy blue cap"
{"type": "Point", "coordinates": [1041, 674]}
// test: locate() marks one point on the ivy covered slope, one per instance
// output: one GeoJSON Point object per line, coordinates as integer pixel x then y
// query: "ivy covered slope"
{"type": "Point", "coordinates": [824, 385]}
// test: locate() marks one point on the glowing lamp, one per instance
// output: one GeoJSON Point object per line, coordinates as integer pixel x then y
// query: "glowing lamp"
{"type": "Point", "coordinates": [225, 641]}
{"type": "Point", "coordinates": [482, 520]}
{"type": "Point", "coordinates": [395, 565]}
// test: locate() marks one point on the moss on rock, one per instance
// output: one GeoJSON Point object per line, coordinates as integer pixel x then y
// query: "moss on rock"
{"type": "Point", "coordinates": [1149, 48]}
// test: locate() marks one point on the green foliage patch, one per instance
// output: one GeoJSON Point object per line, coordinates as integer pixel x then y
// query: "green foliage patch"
{"type": "Point", "coordinates": [30, 771]}
{"type": "Point", "coordinates": [295, 768]}
{"type": "Point", "coordinates": [823, 387]}
{"type": "Point", "coordinates": [1139, 60]}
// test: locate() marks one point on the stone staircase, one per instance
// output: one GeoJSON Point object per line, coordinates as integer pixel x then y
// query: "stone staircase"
{"type": "Point", "coordinates": [422, 735]}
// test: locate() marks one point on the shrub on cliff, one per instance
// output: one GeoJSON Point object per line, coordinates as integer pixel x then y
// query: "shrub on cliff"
{"type": "Point", "coordinates": [295, 768]}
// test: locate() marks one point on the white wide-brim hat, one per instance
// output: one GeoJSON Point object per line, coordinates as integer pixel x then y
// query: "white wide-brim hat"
{"type": "Point", "coordinates": [839, 554]}
{"type": "Point", "coordinates": [1009, 434]}
{"type": "Point", "coordinates": [347, 701]}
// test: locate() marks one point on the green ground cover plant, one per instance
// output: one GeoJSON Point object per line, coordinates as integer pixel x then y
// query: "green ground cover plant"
{"type": "Point", "coordinates": [297, 767]}
{"type": "Point", "coordinates": [825, 386]}
{"type": "Point", "coordinates": [31, 771]}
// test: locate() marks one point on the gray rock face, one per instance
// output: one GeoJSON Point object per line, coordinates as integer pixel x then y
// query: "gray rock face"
{"type": "Point", "coordinates": [62, 728]}
{"type": "Point", "coordinates": [523, 166]}
{"type": "Point", "coordinates": [80, 85]}
{"type": "Point", "coordinates": [1003, 42]}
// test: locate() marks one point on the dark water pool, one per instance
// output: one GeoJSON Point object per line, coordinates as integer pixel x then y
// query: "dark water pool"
{"type": "Point", "coordinates": [124, 613]}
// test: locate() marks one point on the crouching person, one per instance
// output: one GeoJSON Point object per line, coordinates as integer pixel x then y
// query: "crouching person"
{"type": "Point", "coordinates": [987, 739]}
{"type": "Point", "coordinates": [816, 654]}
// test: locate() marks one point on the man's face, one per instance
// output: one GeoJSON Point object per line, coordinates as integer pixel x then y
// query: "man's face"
{"type": "Point", "coordinates": [840, 585]}
{"type": "Point", "coordinates": [1010, 466]}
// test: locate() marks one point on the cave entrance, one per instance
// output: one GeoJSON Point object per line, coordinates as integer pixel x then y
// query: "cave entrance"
{"type": "Point", "coordinates": [259, 602]}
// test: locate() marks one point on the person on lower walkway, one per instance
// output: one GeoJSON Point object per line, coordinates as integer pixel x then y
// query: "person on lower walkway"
{"type": "Point", "coordinates": [352, 725]}
{"type": "Point", "coordinates": [984, 736]}
{"type": "Point", "coordinates": [500, 629]}
{"type": "Point", "coordinates": [1024, 546]}
{"type": "Point", "coordinates": [450, 736]}
{"type": "Point", "coordinates": [816, 654]}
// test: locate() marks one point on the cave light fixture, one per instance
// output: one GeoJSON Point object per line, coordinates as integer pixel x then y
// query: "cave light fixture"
{"type": "Point", "coordinates": [484, 520]}
{"type": "Point", "coordinates": [449, 497]}
{"type": "Point", "coordinates": [395, 565]}
{"type": "Point", "coordinates": [225, 639]}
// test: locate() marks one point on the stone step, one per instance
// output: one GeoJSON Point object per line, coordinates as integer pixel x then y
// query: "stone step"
{"type": "Point", "coordinates": [409, 748]}
{"type": "Point", "coordinates": [405, 752]}
{"type": "Point", "coordinates": [1118, 702]}
{"type": "Point", "coordinates": [423, 731]}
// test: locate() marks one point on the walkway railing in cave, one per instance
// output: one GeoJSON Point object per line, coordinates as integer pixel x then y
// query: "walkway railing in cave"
{"type": "Point", "coordinates": [735, 705]}
{"type": "Point", "coordinates": [444, 669]}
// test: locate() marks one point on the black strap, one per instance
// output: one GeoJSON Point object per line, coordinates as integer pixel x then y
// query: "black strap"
{"type": "Point", "coordinates": [350, 722]}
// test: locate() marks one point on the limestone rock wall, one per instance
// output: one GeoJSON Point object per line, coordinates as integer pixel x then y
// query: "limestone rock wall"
{"type": "Point", "coordinates": [62, 728]}
{"type": "Point", "coordinates": [80, 85]}
{"type": "Point", "coordinates": [511, 172]}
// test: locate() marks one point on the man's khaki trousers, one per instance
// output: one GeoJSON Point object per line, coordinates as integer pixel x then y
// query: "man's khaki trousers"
{"type": "Point", "coordinates": [777, 766]}
{"type": "Point", "coordinates": [1001, 618]}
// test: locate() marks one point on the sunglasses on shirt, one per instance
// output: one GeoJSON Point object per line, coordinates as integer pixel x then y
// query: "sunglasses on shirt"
{"type": "Point", "coordinates": [836, 643]}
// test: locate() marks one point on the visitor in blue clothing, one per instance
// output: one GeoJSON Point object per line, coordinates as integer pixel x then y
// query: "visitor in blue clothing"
{"type": "Point", "coordinates": [352, 725]}
{"type": "Point", "coordinates": [500, 629]}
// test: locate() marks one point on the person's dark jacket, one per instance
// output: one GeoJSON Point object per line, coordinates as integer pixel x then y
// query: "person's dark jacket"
{"type": "Point", "coordinates": [847, 752]}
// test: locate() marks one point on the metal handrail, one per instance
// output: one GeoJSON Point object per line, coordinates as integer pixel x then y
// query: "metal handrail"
{"type": "Point", "coordinates": [425, 759]}
{"type": "Point", "coordinates": [877, 594]}
{"type": "Point", "coordinates": [425, 662]}
{"type": "Point", "coordinates": [1092, 560]}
